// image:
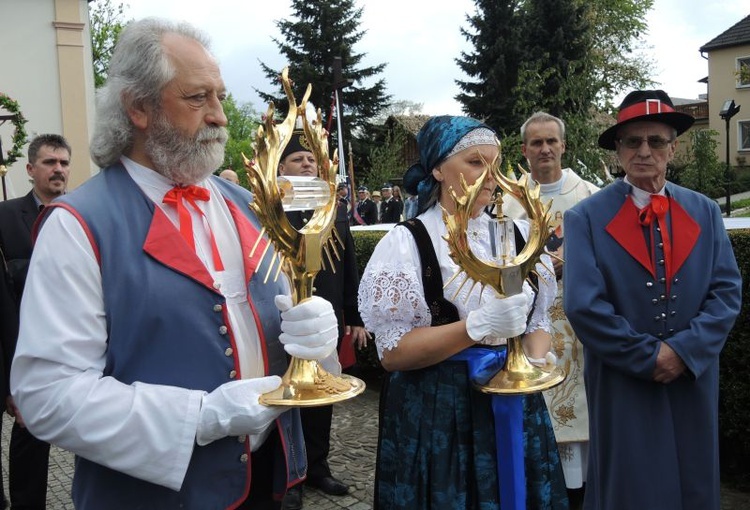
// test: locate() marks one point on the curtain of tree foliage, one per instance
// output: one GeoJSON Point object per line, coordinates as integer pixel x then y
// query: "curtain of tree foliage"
{"type": "Point", "coordinates": [317, 32]}
{"type": "Point", "coordinates": [567, 57]}
{"type": "Point", "coordinates": [242, 125]}
{"type": "Point", "coordinates": [106, 22]}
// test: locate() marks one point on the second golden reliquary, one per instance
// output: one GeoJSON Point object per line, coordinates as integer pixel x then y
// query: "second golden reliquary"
{"type": "Point", "coordinates": [299, 254]}
{"type": "Point", "coordinates": [508, 271]}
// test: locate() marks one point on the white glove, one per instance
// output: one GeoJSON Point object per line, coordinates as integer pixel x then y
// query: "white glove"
{"type": "Point", "coordinates": [500, 318]}
{"type": "Point", "coordinates": [548, 359]}
{"type": "Point", "coordinates": [232, 409]}
{"type": "Point", "coordinates": [310, 329]}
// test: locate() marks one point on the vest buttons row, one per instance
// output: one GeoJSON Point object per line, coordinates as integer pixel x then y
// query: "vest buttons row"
{"type": "Point", "coordinates": [223, 330]}
{"type": "Point", "coordinates": [228, 351]}
{"type": "Point", "coordinates": [243, 458]}
{"type": "Point", "coordinates": [218, 308]}
{"type": "Point", "coordinates": [232, 374]}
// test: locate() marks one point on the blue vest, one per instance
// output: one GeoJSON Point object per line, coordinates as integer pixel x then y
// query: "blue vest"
{"type": "Point", "coordinates": [166, 324]}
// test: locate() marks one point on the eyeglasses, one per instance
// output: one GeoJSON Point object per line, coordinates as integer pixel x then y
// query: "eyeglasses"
{"type": "Point", "coordinates": [635, 142]}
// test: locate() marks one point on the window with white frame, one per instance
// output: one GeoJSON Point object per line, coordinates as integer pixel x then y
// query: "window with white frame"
{"type": "Point", "coordinates": [743, 72]}
{"type": "Point", "coordinates": [744, 131]}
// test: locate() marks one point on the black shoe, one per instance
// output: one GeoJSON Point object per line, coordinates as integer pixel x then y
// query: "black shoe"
{"type": "Point", "coordinates": [329, 485]}
{"type": "Point", "coordinates": [293, 498]}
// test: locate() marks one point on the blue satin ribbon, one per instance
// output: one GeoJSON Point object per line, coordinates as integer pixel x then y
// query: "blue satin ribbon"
{"type": "Point", "coordinates": [483, 364]}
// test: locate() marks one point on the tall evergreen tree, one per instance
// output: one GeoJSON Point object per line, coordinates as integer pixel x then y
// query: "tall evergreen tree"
{"type": "Point", "coordinates": [493, 64]}
{"type": "Point", "coordinates": [317, 33]}
{"type": "Point", "coordinates": [567, 57]}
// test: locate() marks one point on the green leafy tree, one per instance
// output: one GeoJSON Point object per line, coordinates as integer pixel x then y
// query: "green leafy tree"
{"type": "Point", "coordinates": [703, 172]}
{"type": "Point", "coordinates": [567, 57]}
{"type": "Point", "coordinates": [317, 32]}
{"type": "Point", "coordinates": [242, 124]}
{"type": "Point", "coordinates": [386, 160]}
{"type": "Point", "coordinates": [107, 22]}
{"type": "Point", "coordinates": [618, 57]}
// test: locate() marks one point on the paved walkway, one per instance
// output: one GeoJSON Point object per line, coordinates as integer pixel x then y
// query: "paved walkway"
{"type": "Point", "coordinates": [353, 443]}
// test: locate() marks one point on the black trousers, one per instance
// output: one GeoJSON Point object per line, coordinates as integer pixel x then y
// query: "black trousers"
{"type": "Point", "coordinates": [28, 462]}
{"type": "Point", "coordinates": [261, 484]}
{"type": "Point", "coordinates": [316, 426]}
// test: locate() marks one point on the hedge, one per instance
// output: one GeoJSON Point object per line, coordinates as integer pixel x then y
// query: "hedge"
{"type": "Point", "coordinates": [734, 383]}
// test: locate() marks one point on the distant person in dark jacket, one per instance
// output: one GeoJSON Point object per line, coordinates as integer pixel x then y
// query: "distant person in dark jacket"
{"type": "Point", "coordinates": [391, 208]}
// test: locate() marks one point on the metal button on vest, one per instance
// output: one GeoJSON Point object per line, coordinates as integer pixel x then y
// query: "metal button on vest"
{"type": "Point", "coordinates": [232, 374]}
{"type": "Point", "coordinates": [677, 280]}
{"type": "Point", "coordinates": [242, 438]}
{"type": "Point", "coordinates": [229, 351]}
{"type": "Point", "coordinates": [217, 285]}
{"type": "Point", "coordinates": [663, 297]}
{"type": "Point", "coordinates": [661, 262]}
{"type": "Point", "coordinates": [243, 458]}
{"type": "Point", "coordinates": [660, 335]}
{"type": "Point", "coordinates": [674, 297]}
{"type": "Point", "coordinates": [673, 313]}
{"type": "Point", "coordinates": [649, 284]}
{"type": "Point", "coordinates": [661, 245]}
{"type": "Point", "coordinates": [223, 330]}
{"type": "Point", "coordinates": [218, 308]}
{"type": "Point", "coordinates": [662, 280]}
{"type": "Point", "coordinates": [655, 301]}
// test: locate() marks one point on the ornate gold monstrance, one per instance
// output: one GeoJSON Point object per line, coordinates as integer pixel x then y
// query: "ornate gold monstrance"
{"type": "Point", "coordinates": [299, 253]}
{"type": "Point", "coordinates": [517, 376]}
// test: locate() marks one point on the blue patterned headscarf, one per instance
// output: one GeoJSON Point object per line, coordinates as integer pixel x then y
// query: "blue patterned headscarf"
{"type": "Point", "coordinates": [435, 140]}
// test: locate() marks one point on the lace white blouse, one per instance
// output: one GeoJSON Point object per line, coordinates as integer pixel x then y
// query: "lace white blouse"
{"type": "Point", "coordinates": [391, 296]}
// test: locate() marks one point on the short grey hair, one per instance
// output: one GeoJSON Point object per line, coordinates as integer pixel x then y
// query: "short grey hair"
{"type": "Point", "coordinates": [138, 71]}
{"type": "Point", "coordinates": [539, 118]}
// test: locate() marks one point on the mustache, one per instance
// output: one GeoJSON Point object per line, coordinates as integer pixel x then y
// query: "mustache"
{"type": "Point", "coordinates": [57, 177]}
{"type": "Point", "coordinates": [212, 133]}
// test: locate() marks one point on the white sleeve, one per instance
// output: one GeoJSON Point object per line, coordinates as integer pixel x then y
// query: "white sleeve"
{"type": "Point", "coordinates": [146, 431]}
{"type": "Point", "coordinates": [547, 283]}
{"type": "Point", "coordinates": [391, 298]}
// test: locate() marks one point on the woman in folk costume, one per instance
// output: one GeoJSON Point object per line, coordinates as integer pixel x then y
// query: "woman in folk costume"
{"type": "Point", "coordinates": [437, 445]}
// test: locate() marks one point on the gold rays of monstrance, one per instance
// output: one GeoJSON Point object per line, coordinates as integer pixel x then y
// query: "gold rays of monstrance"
{"type": "Point", "coordinates": [300, 254]}
{"type": "Point", "coordinates": [506, 277]}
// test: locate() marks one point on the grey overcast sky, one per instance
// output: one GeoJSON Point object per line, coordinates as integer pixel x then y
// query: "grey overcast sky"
{"type": "Point", "coordinates": [419, 42]}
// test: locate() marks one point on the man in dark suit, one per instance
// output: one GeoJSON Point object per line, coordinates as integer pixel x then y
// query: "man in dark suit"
{"type": "Point", "coordinates": [339, 286]}
{"type": "Point", "coordinates": [366, 208]}
{"type": "Point", "coordinates": [390, 208]}
{"type": "Point", "coordinates": [8, 335]}
{"type": "Point", "coordinates": [48, 167]}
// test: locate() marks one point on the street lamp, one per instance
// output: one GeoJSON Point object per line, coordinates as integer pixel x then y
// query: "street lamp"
{"type": "Point", "coordinates": [728, 110]}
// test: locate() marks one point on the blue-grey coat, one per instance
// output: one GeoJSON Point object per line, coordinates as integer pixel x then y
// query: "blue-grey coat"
{"type": "Point", "coordinates": [653, 445]}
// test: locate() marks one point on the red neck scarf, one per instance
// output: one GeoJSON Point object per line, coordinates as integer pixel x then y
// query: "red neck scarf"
{"type": "Point", "coordinates": [177, 197]}
{"type": "Point", "coordinates": [657, 211]}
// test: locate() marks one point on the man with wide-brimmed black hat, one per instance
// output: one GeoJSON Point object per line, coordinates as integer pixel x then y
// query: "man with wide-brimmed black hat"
{"type": "Point", "coordinates": [337, 284]}
{"type": "Point", "coordinates": [652, 290]}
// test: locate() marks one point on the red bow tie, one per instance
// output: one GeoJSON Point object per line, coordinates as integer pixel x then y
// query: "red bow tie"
{"type": "Point", "coordinates": [176, 197]}
{"type": "Point", "coordinates": [657, 211]}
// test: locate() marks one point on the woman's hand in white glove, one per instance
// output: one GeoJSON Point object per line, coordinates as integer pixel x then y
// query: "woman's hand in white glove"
{"type": "Point", "coordinates": [499, 318]}
{"type": "Point", "coordinates": [310, 329]}
{"type": "Point", "coordinates": [233, 409]}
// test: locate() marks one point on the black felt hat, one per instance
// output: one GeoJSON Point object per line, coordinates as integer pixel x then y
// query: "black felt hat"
{"type": "Point", "coordinates": [297, 143]}
{"type": "Point", "coordinates": [648, 105]}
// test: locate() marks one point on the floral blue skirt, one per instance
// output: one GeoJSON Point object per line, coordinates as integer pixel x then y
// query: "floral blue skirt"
{"type": "Point", "coordinates": [436, 448]}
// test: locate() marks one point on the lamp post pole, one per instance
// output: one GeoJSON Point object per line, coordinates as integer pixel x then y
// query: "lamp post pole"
{"type": "Point", "coordinates": [728, 110]}
{"type": "Point", "coordinates": [727, 172]}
